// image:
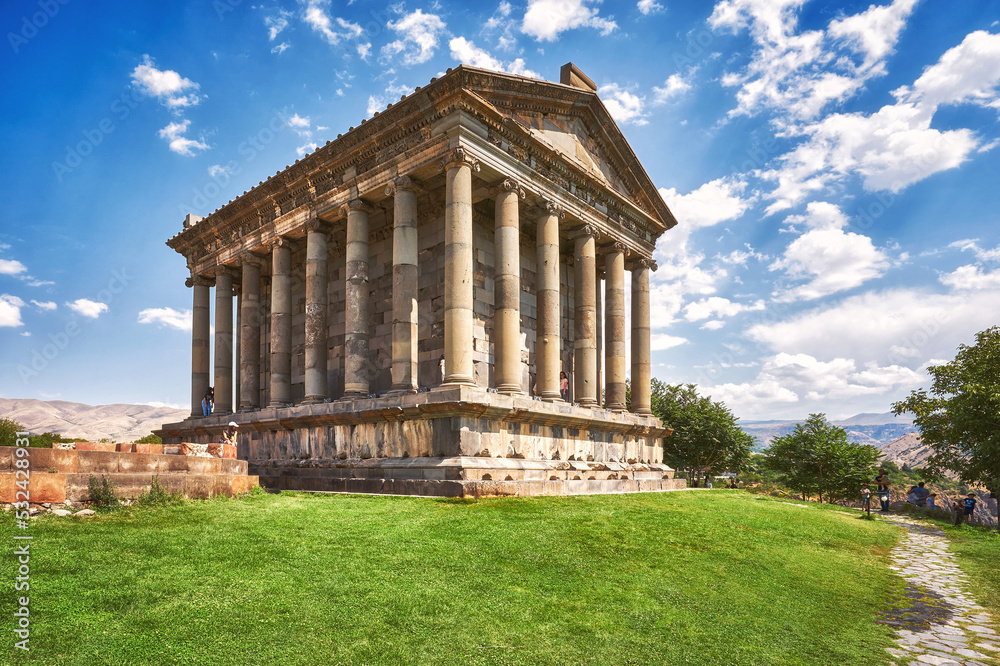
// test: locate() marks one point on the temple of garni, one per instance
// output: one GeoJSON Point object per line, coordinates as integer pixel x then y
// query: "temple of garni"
{"type": "Point", "coordinates": [407, 296]}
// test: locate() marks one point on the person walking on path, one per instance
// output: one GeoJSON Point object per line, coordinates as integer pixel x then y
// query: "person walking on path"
{"type": "Point", "coordinates": [882, 481]}
{"type": "Point", "coordinates": [965, 510]}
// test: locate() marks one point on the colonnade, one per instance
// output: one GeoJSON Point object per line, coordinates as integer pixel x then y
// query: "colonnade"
{"type": "Point", "coordinates": [458, 306]}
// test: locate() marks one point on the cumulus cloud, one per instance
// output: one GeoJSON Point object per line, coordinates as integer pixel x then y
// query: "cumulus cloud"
{"type": "Point", "coordinates": [716, 306]}
{"type": "Point", "coordinates": [333, 30]}
{"type": "Point", "coordinates": [11, 267]}
{"type": "Point", "coordinates": [624, 106]}
{"type": "Point", "coordinates": [971, 277]}
{"type": "Point", "coordinates": [546, 19]}
{"type": "Point", "coordinates": [169, 317]}
{"type": "Point", "coordinates": [661, 341]}
{"type": "Point", "coordinates": [44, 305]}
{"type": "Point", "coordinates": [674, 86]}
{"type": "Point", "coordinates": [392, 93]}
{"type": "Point", "coordinates": [10, 311]}
{"type": "Point", "coordinates": [87, 307]}
{"type": "Point", "coordinates": [180, 144]}
{"type": "Point", "coordinates": [830, 258]}
{"type": "Point", "coordinates": [647, 7]}
{"type": "Point", "coordinates": [275, 25]}
{"type": "Point", "coordinates": [468, 53]}
{"type": "Point", "coordinates": [170, 88]}
{"type": "Point", "coordinates": [419, 34]}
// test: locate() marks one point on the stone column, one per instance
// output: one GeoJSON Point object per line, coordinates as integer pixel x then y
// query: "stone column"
{"type": "Point", "coordinates": [585, 322]}
{"type": "Point", "coordinates": [640, 337]}
{"type": "Point", "coordinates": [458, 293]}
{"type": "Point", "coordinates": [250, 317]}
{"type": "Point", "coordinates": [223, 341]}
{"type": "Point", "coordinates": [599, 336]}
{"type": "Point", "coordinates": [356, 358]}
{"type": "Point", "coordinates": [316, 311]}
{"type": "Point", "coordinates": [281, 323]}
{"type": "Point", "coordinates": [237, 341]}
{"type": "Point", "coordinates": [200, 349]}
{"type": "Point", "coordinates": [405, 277]}
{"type": "Point", "coordinates": [507, 288]}
{"type": "Point", "coordinates": [547, 342]}
{"type": "Point", "coordinates": [614, 360]}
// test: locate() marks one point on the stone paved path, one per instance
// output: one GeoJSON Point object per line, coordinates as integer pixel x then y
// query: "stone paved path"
{"type": "Point", "coordinates": [943, 626]}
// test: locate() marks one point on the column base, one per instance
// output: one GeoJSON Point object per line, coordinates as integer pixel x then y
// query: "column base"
{"type": "Point", "coordinates": [643, 412]}
{"type": "Point", "coordinates": [510, 389]}
{"type": "Point", "coordinates": [313, 399]}
{"type": "Point", "coordinates": [280, 404]}
{"type": "Point", "coordinates": [587, 402]}
{"type": "Point", "coordinates": [550, 396]}
{"type": "Point", "coordinates": [405, 390]}
{"type": "Point", "coordinates": [248, 408]}
{"type": "Point", "coordinates": [355, 395]}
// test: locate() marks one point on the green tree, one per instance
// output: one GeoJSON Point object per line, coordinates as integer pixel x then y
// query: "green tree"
{"type": "Point", "coordinates": [150, 439]}
{"type": "Point", "coordinates": [706, 439]}
{"type": "Point", "coordinates": [817, 459]}
{"type": "Point", "coordinates": [8, 432]}
{"type": "Point", "coordinates": [960, 417]}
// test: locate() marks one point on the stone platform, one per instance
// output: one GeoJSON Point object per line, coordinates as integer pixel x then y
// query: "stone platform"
{"type": "Point", "coordinates": [60, 475]}
{"type": "Point", "coordinates": [457, 441]}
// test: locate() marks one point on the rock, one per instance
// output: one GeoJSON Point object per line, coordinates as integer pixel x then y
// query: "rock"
{"type": "Point", "coordinates": [85, 512]}
{"type": "Point", "coordinates": [62, 512]}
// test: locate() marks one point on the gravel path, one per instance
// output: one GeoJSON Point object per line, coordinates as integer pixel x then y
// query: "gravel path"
{"type": "Point", "coordinates": [941, 624]}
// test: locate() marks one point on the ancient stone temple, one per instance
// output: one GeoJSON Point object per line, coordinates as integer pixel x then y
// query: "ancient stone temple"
{"type": "Point", "coordinates": [408, 295]}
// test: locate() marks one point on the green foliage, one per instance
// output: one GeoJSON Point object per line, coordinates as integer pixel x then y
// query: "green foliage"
{"type": "Point", "coordinates": [47, 439]}
{"type": "Point", "coordinates": [8, 432]}
{"type": "Point", "coordinates": [817, 459]}
{"type": "Point", "coordinates": [158, 495]}
{"type": "Point", "coordinates": [102, 493]}
{"type": "Point", "coordinates": [707, 438]}
{"type": "Point", "coordinates": [960, 417]}
{"type": "Point", "coordinates": [150, 439]}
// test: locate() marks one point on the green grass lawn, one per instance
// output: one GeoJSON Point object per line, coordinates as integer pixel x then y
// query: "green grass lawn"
{"type": "Point", "coordinates": [716, 577]}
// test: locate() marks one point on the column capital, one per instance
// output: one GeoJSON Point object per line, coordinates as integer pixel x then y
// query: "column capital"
{"type": "Point", "coordinates": [279, 241]}
{"type": "Point", "coordinates": [360, 205]}
{"type": "Point", "coordinates": [618, 246]}
{"type": "Point", "coordinates": [546, 208]}
{"type": "Point", "coordinates": [507, 185]}
{"type": "Point", "coordinates": [459, 157]}
{"type": "Point", "coordinates": [644, 262]}
{"type": "Point", "coordinates": [317, 224]}
{"type": "Point", "coordinates": [589, 230]}
{"type": "Point", "coordinates": [222, 269]}
{"type": "Point", "coordinates": [199, 281]}
{"type": "Point", "coordinates": [246, 258]}
{"type": "Point", "coordinates": [404, 183]}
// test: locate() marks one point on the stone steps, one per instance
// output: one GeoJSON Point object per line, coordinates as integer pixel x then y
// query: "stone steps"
{"type": "Point", "coordinates": [60, 475]}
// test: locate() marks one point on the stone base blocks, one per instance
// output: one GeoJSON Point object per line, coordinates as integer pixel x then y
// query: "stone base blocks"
{"type": "Point", "coordinates": [456, 441]}
{"type": "Point", "coordinates": [58, 475]}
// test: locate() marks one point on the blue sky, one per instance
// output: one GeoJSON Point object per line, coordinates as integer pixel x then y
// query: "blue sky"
{"type": "Point", "coordinates": [833, 167]}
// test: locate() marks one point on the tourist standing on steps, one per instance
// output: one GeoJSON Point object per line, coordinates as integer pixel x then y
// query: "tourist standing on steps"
{"type": "Point", "coordinates": [563, 385]}
{"type": "Point", "coordinates": [882, 481]}
{"type": "Point", "coordinates": [965, 510]}
{"type": "Point", "coordinates": [208, 401]}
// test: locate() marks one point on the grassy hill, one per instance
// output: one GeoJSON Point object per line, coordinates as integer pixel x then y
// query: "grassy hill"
{"type": "Point", "coordinates": [700, 577]}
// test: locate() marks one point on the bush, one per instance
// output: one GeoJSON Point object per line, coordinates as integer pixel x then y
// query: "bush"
{"type": "Point", "coordinates": [102, 493]}
{"type": "Point", "coordinates": [158, 495]}
{"type": "Point", "coordinates": [150, 439]}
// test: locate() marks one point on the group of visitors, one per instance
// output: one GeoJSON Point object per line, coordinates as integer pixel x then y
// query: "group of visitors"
{"type": "Point", "coordinates": [918, 495]}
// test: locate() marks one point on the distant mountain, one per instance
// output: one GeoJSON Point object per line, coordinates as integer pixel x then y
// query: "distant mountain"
{"type": "Point", "coordinates": [875, 429]}
{"type": "Point", "coordinates": [88, 422]}
{"type": "Point", "coordinates": [907, 450]}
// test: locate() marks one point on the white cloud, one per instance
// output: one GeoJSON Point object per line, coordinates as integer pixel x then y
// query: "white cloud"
{"type": "Point", "coordinates": [624, 106]}
{"type": "Point", "coordinates": [174, 134]}
{"type": "Point", "coordinates": [217, 170]}
{"type": "Point", "coordinates": [10, 311]}
{"type": "Point", "coordinates": [87, 307]}
{"type": "Point", "coordinates": [419, 35]}
{"type": "Point", "coordinates": [545, 19]}
{"type": "Point", "coordinates": [281, 48]}
{"type": "Point", "coordinates": [275, 24]}
{"type": "Point", "coordinates": [713, 325]}
{"type": "Point", "coordinates": [173, 90]}
{"type": "Point", "coordinates": [716, 306]}
{"type": "Point", "coordinates": [306, 148]}
{"type": "Point", "coordinates": [971, 277]}
{"type": "Point", "coordinates": [969, 72]}
{"type": "Point", "coordinates": [972, 245]}
{"type": "Point", "coordinates": [11, 267]}
{"type": "Point", "coordinates": [468, 53]}
{"type": "Point", "coordinates": [391, 95]}
{"type": "Point", "coordinates": [647, 7]}
{"type": "Point", "coordinates": [178, 319]}
{"type": "Point", "coordinates": [44, 305]}
{"type": "Point", "coordinates": [168, 405]}
{"type": "Point", "coordinates": [661, 341]}
{"type": "Point", "coordinates": [674, 86]}
{"type": "Point", "coordinates": [333, 30]}
{"type": "Point", "coordinates": [716, 201]}
{"type": "Point", "coordinates": [873, 32]}
{"type": "Point", "coordinates": [364, 50]}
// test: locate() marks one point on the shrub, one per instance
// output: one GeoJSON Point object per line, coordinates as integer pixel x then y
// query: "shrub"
{"type": "Point", "coordinates": [158, 495]}
{"type": "Point", "coordinates": [102, 493]}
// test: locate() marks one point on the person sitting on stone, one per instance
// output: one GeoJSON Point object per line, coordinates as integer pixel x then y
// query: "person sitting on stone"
{"type": "Point", "coordinates": [229, 436]}
{"type": "Point", "coordinates": [931, 499]}
{"type": "Point", "coordinates": [921, 494]}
